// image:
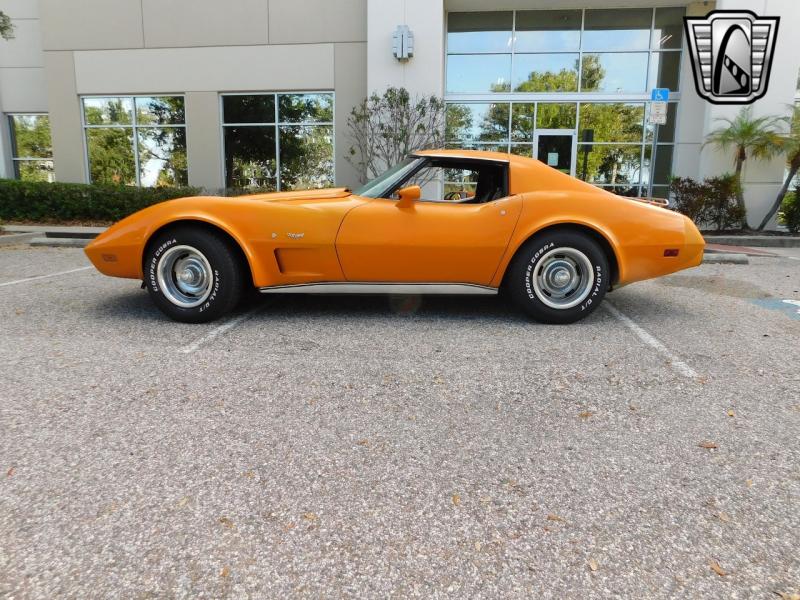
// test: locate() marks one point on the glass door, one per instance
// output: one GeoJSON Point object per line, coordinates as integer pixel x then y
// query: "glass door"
{"type": "Point", "coordinates": [556, 148]}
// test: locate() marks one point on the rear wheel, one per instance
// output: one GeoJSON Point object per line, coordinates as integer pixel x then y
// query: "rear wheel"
{"type": "Point", "coordinates": [193, 275]}
{"type": "Point", "coordinates": [559, 276]}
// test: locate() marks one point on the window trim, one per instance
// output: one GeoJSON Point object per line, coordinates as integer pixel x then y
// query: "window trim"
{"type": "Point", "coordinates": [276, 124]}
{"type": "Point", "coordinates": [133, 125]}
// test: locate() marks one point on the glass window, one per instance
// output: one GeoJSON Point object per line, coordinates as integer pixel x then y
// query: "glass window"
{"type": "Point", "coordinates": [522, 150]}
{"type": "Point", "coordinates": [478, 122]}
{"type": "Point", "coordinates": [665, 70]}
{"type": "Point", "coordinates": [668, 27]}
{"type": "Point", "coordinates": [546, 73]}
{"type": "Point", "coordinates": [552, 115]}
{"type": "Point", "coordinates": [522, 114]}
{"type": "Point", "coordinates": [606, 164]}
{"type": "Point", "coordinates": [612, 122]}
{"type": "Point", "coordinates": [479, 73]}
{"type": "Point", "coordinates": [306, 155]}
{"type": "Point", "coordinates": [547, 30]}
{"type": "Point", "coordinates": [666, 132]}
{"type": "Point", "coordinates": [248, 109]}
{"type": "Point", "coordinates": [617, 72]}
{"type": "Point", "coordinates": [662, 170]}
{"type": "Point", "coordinates": [294, 153]}
{"type": "Point", "coordinates": [617, 29]}
{"type": "Point", "coordinates": [136, 140]}
{"type": "Point", "coordinates": [31, 147]}
{"type": "Point", "coordinates": [305, 108]}
{"type": "Point", "coordinates": [479, 32]}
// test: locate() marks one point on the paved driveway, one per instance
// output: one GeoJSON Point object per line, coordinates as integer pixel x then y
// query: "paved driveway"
{"type": "Point", "coordinates": [357, 446]}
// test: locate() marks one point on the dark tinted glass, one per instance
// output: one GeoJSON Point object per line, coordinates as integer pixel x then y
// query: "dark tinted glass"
{"type": "Point", "coordinates": [668, 27]}
{"type": "Point", "coordinates": [479, 32]}
{"type": "Point", "coordinates": [250, 158]}
{"type": "Point", "coordinates": [665, 70]}
{"type": "Point", "coordinates": [160, 110]}
{"type": "Point", "coordinates": [305, 108]}
{"type": "Point", "coordinates": [248, 109]}
{"type": "Point", "coordinates": [547, 30]}
{"type": "Point", "coordinates": [617, 29]}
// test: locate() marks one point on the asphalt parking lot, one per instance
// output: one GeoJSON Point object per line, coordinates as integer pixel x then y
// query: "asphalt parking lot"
{"type": "Point", "coordinates": [376, 447]}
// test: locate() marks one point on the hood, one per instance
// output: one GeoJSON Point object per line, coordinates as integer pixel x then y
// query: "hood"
{"type": "Point", "coordinates": [321, 194]}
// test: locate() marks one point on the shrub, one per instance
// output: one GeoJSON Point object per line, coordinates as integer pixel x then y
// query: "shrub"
{"type": "Point", "coordinates": [790, 211]}
{"type": "Point", "coordinates": [711, 203]}
{"type": "Point", "coordinates": [53, 202]}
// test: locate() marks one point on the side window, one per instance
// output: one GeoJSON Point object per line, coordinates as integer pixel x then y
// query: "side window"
{"type": "Point", "coordinates": [459, 183]}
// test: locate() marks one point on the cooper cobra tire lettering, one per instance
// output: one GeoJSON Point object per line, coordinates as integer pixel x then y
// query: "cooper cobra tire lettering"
{"type": "Point", "coordinates": [530, 269]}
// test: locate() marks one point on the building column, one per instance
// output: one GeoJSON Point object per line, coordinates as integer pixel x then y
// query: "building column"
{"type": "Point", "coordinates": [69, 150]}
{"type": "Point", "coordinates": [204, 141]}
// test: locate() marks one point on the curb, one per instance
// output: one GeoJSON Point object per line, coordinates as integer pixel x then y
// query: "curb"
{"type": "Point", "coordinates": [762, 241]}
{"type": "Point", "coordinates": [16, 238]}
{"type": "Point", "coordinates": [54, 242]}
{"type": "Point", "coordinates": [725, 259]}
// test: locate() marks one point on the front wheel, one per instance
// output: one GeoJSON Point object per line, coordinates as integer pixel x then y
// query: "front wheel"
{"type": "Point", "coordinates": [193, 275]}
{"type": "Point", "coordinates": [559, 277]}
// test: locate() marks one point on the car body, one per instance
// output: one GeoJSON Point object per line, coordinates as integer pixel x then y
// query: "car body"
{"type": "Point", "coordinates": [335, 240]}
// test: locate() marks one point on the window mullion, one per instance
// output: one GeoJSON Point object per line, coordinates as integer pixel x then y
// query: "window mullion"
{"type": "Point", "coordinates": [277, 147]}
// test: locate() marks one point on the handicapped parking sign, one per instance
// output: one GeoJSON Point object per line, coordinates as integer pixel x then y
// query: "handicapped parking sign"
{"type": "Point", "coordinates": [659, 95]}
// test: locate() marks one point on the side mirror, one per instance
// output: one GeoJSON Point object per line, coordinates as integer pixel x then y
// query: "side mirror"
{"type": "Point", "coordinates": [408, 196]}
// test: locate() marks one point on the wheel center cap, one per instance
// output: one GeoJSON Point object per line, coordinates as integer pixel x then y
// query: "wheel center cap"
{"type": "Point", "coordinates": [187, 276]}
{"type": "Point", "coordinates": [561, 278]}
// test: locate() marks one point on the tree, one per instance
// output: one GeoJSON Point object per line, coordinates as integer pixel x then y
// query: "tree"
{"type": "Point", "coordinates": [748, 136]}
{"type": "Point", "coordinates": [6, 26]}
{"type": "Point", "coordinates": [791, 146]}
{"type": "Point", "coordinates": [386, 128]}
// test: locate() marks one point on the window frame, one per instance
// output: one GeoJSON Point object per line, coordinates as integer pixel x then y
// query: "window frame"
{"type": "Point", "coordinates": [133, 126]}
{"type": "Point", "coordinates": [276, 124]}
{"type": "Point", "coordinates": [15, 160]}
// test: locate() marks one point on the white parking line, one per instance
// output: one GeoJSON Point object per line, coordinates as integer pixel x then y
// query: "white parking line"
{"type": "Point", "coordinates": [43, 276]}
{"type": "Point", "coordinates": [680, 366]}
{"type": "Point", "coordinates": [218, 331]}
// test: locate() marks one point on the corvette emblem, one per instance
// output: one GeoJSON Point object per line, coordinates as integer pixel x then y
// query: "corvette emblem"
{"type": "Point", "coordinates": [731, 54]}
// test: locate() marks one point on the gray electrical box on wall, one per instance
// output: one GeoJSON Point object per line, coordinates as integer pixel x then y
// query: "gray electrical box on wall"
{"type": "Point", "coordinates": [403, 43]}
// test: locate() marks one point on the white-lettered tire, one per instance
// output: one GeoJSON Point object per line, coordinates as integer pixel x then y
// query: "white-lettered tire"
{"type": "Point", "coordinates": [193, 274]}
{"type": "Point", "coordinates": [559, 276]}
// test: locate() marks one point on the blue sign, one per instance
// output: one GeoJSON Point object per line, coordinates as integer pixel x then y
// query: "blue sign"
{"type": "Point", "coordinates": [659, 95]}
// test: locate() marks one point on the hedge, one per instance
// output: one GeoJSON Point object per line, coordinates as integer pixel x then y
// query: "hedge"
{"type": "Point", "coordinates": [51, 202]}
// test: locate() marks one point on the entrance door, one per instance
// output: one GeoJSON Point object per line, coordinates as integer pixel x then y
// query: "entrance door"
{"type": "Point", "coordinates": [556, 148]}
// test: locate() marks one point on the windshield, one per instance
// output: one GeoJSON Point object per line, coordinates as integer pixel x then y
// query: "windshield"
{"type": "Point", "coordinates": [380, 184]}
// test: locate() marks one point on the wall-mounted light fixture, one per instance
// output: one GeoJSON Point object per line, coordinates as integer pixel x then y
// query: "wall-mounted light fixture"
{"type": "Point", "coordinates": [403, 43]}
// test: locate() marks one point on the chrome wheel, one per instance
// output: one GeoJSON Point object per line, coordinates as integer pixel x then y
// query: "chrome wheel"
{"type": "Point", "coordinates": [185, 276]}
{"type": "Point", "coordinates": [563, 278]}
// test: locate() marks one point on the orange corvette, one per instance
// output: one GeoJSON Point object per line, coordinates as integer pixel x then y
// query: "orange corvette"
{"type": "Point", "coordinates": [440, 222]}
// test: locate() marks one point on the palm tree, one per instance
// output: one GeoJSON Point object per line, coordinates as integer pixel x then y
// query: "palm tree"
{"type": "Point", "coordinates": [756, 137]}
{"type": "Point", "coordinates": [791, 146]}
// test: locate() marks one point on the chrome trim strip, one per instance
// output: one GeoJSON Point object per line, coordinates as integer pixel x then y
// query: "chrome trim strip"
{"type": "Point", "coordinates": [335, 287]}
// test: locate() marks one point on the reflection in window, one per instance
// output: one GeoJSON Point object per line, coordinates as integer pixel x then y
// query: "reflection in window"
{"type": "Point", "coordinates": [615, 29]}
{"type": "Point", "coordinates": [546, 73]}
{"type": "Point", "coordinates": [547, 31]}
{"type": "Point", "coordinates": [662, 170]}
{"type": "Point", "coordinates": [477, 122]}
{"type": "Point", "coordinates": [552, 115]}
{"type": "Point", "coordinates": [479, 32]}
{"type": "Point", "coordinates": [543, 46]}
{"type": "Point", "coordinates": [619, 72]}
{"type": "Point", "coordinates": [31, 147]}
{"type": "Point", "coordinates": [605, 164]}
{"type": "Point", "coordinates": [478, 73]}
{"type": "Point", "coordinates": [668, 29]}
{"type": "Point", "coordinates": [278, 141]}
{"type": "Point", "coordinates": [615, 122]}
{"type": "Point", "coordinates": [136, 140]}
{"type": "Point", "coordinates": [522, 115]}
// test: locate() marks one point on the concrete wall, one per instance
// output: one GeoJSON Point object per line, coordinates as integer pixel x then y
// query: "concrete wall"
{"type": "Point", "coordinates": [422, 74]}
{"type": "Point", "coordinates": [22, 82]}
{"type": "Point", "coordinates": [199, 48]}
